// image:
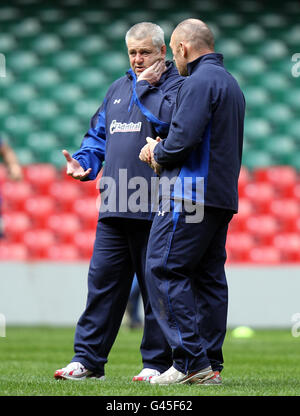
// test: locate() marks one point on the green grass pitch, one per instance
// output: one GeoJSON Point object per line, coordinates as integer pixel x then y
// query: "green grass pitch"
{"type": "Point", "coordinates": [265, 365]}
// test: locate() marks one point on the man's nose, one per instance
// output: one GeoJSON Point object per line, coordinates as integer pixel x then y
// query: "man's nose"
{"type": "Point", "coordinates": [139, 58]}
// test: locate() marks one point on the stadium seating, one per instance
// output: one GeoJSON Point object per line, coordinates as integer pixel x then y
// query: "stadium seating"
{"type": "Point", "coordinates": [63, 56]}
{"type": "Point", "coordinates": [246, 209]}
{"type": "Point", "coordinates": [16, 223]}
{"type": "Point", "coordinates": [238, 246]}
{"type": "Point", "coordinates": [64, 226]}
{"type": "Point", "coordinates": [283, 179]}
{"type": "Point", "coordinates": [37, 243]}
{"type": "Point", "coordinates": [13, 252]}
{"type": "Point", "coordinates": [264, 227]}
{"type": "Point", "coordinates": [286, 211]}
{"type": "Point", "coordinates": [289, 246]}
{"type": "Point", "coordinates": [62, 252]}
{"type": "Point", "coordinates": [84, 241]}
{"type": "Point", "coordinates": [296, 192]}
{"type": "Point", "coordinates": [86, 209]}
{"type": "Point", "coordinates": [65, 193]}
{"type": "Point", "coordinates": [39, 208]}
{"type": "Point", "coordinates": [40, 176]}
{"type": "Point", "coordinates": [261, 194]}
{"type": "Point", "coordinates": [265, 255]}
{"type": "Point", "coordinates": [15, 195]}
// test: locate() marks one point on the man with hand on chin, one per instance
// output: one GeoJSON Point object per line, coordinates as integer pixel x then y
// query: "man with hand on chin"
{"type": "Point", "coordinates": [137, 105]}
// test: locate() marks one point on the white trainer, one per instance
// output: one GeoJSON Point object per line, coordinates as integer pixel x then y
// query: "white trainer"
{"type": "Point", "coordinates": [173, 376]}
{"type": "Point", "coordinates": [146, 374]}
{"type": "Point", "coordinates": [170, 376]}
{"type": "Point", "coordinates": [75, 371]}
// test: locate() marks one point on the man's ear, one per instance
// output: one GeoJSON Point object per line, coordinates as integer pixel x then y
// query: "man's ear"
{"type": "Point", "coordinates": [163, 51]}
{"type": "Point", "coordinates": [183, 50]}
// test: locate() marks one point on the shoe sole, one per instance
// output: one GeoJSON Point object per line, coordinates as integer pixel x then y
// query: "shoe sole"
{"type": "Point", "coordinates": [58, 377]}
{"type": "Point", "coordinates": [211, 382]}
{"type": "Point", "coordinates": [194, 379]}
{"type": "Point", "coordinates": [69, 378]}
{"type": "Point", "coordinates": [145, 379]}
{"type": "Point", "coordinates": [198, 378]}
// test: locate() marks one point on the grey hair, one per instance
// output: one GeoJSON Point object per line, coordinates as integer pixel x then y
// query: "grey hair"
{"type": "Point", "coordinates": [145, 29]}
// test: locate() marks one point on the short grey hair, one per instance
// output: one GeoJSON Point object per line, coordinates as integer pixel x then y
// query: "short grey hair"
{"type": "Point", "coordinates": [144, 30]}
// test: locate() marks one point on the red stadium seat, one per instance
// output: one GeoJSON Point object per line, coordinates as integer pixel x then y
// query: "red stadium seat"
{"type": "Point", "coordinates": [40, 208]}
{"type": "Point", "coordinates": [88, 188]}
{"type": "Point", "coordinates": [261, 195]}
{"type": "Point", "coordinates": [91, 188]}
{"type": "Point", "coordinates": [84, 241]}
{"type": "Point", "coordinates": [41, 176]}
{"type": "Point", "coordinates": [37, 242]}
{"type": "Point", "coordinates": [246, 209]}
{"type": "Point", "coordinates": [239, 245]}
{"type": "Point", "coordinates": [296, 192]}
{"type": "Point", "coordinates": [15, 195]}
{"type": "Point", "coordinates": [64, 226]}
{"type": "Point", "coordinates": [289, 246]}
{"type": "Point", "coordinates": [244, 179]}
{"type": "Point", "coordinates": [87, 210]}
{"type": "Point", "coordinates": [230, 257]}
{"type": "Point", "coordinates": [262, 227]}
{"type": "Point", "coordinates": [3, 174]}
{"type": "Point", "coordinates": [287, 211]}
{"type": "Point", "coordinates": [15, 225]}
{"type": "Point", "coordinates": [65, 193]}
{"type": "Point", "coordinates": [63, 175]}
{"type": "Point", "coordinates": [63, 252]}
{"type": "Point", "coordinates": [13, 252]}
{"type": "Point", "coordinates": [297, 226]}
{"type": "Point", "coordinates": [265, 255]}
{"type": "Point", "coordinates": [283, 178]}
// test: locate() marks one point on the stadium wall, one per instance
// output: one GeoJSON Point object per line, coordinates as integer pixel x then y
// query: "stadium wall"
{"type": "Point", "coordinates": [55, 294]}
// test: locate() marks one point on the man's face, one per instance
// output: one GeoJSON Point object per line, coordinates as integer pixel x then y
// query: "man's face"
{"type": "Point", "coordinates": [180, 61]}
{"type": "Point", "coordinates": [142, 54]}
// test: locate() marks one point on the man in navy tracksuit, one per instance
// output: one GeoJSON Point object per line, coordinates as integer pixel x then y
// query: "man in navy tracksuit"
{"type": "Point", "coordinates": [137, 105]}
{"type": "Point", "coordinates": [186, 250]}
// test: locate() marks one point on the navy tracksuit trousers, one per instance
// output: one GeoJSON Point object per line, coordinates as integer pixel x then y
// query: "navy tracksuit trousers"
{"type": "Point", "coordinates": [187, 285]}
{"type": "Point", "coordinates": [119, 252]}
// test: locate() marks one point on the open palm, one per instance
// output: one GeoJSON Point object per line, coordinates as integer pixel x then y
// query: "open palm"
{"type": "Point", "coordinates": [74, 168]}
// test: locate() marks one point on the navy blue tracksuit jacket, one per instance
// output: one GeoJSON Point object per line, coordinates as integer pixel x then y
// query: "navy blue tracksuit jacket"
{"type": "Point", "coordinates": [206, 133]}
{"type": "Point", "coordinates": [185, 261]}
{"type": "Point", "coordinates": [131, 111]}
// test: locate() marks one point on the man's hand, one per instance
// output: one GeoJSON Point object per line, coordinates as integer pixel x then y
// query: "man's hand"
{"type": "Point", "coordinates": [153, 73]}
{"type": "Point", "coordinates": [74, 168]}
{"type": "Point", "coordinates": [15, 172]}
{"type": "Point", "coordinates": [147, 154]}
{"type": "Point", "coordinates": [14, 169]}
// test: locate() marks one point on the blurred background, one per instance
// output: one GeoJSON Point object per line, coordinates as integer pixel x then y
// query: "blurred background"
{"type": "Point", "coordinates": [60, 59]}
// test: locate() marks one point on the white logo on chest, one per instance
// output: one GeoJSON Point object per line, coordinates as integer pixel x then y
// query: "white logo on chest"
{"type": "Point", "coordinates": [117, 127]}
